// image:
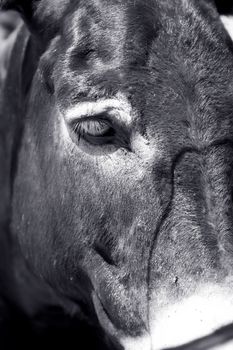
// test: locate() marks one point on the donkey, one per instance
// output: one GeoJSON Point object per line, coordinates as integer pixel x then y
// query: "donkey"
{"type": "Point", "coordinates": [117, 167]}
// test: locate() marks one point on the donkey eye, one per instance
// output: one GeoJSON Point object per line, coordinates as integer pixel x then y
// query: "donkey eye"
{"type": "Point", "coordinates": [94, 131]}
{"type": "Point", "coordinates": [100, 123]}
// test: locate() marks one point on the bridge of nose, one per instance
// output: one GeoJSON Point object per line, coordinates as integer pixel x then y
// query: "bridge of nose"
{"type": "Point", "coordinates": [190, 275]}
{"type": "Point", "coordinates": [195, 237]}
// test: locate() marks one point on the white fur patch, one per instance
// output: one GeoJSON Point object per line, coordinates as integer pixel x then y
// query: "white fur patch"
{"type": "Point", "coordinates": [118, 106]}
{"type": "Point", "coordinates": [228, 24]}
{"type": "Point", "coordinates": [140, 343]}
{"type": "Point", "coordinates": [187, 320]}
{"type": "Point", "coordinates": [192, 318]}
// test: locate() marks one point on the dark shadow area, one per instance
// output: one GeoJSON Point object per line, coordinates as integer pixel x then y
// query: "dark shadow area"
{"type": "Point", "coordinates": [52, 329]}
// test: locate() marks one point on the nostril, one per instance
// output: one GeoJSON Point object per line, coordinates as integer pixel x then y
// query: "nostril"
{"type": "Point", "coordinates": [105, 255]}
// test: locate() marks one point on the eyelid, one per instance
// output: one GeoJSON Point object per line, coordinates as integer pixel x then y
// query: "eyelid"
{"type": "Point", "coordinates": [113, 106]}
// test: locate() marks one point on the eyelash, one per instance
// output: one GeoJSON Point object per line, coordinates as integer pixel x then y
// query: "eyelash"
{"type": "Point", "coordinates": [91, 127]}
{"type": "Point", "coordinates": [96, 132]}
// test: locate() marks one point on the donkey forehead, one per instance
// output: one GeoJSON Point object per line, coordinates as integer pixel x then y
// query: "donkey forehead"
{"type": "Point", "coordinates": [142, 37]}
{"type": "Point", "coordinates": [121, 28]}
{"type": "Point", "coordinates": [153, 48]}
{"type": "Point", "coordinates": [109, 32]}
